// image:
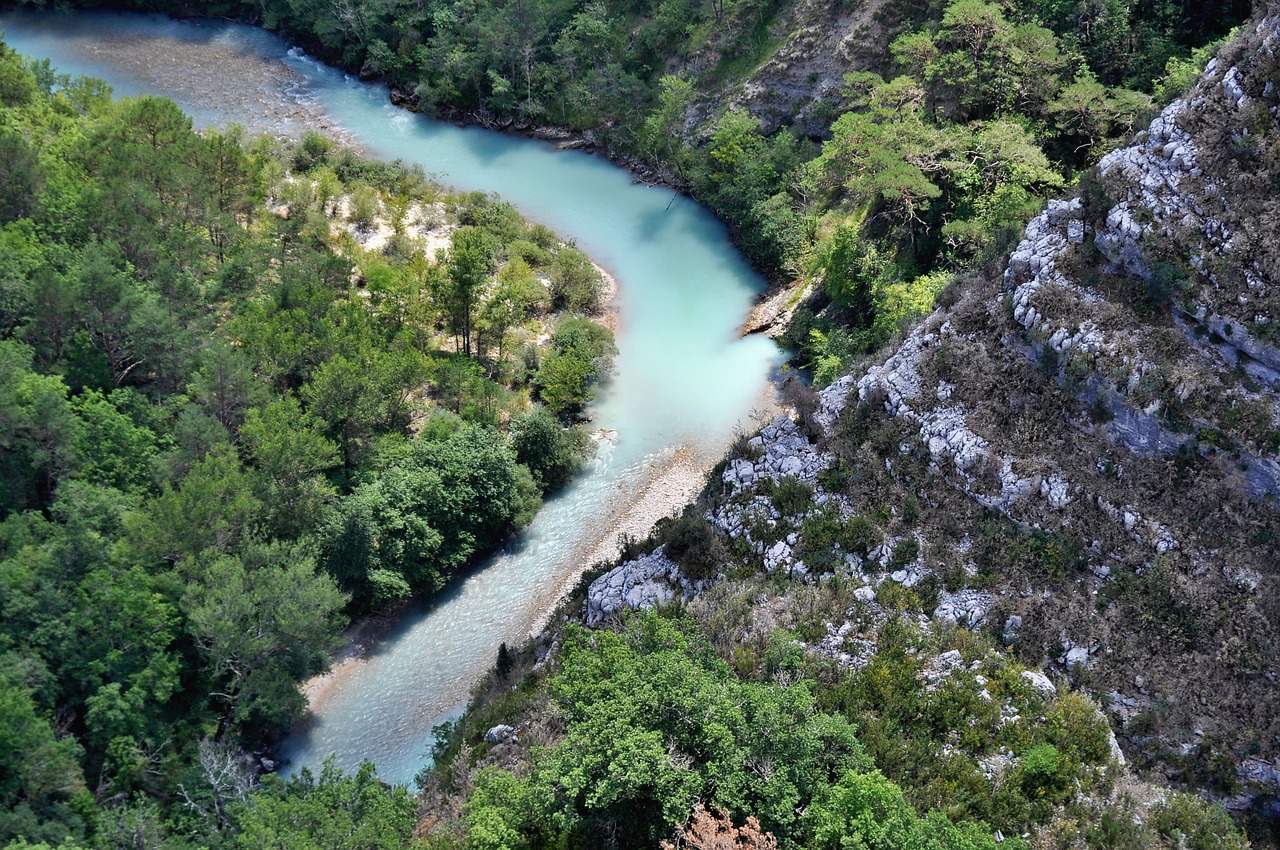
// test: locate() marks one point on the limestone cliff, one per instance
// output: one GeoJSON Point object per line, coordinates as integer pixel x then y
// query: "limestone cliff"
{"type": "Point", "coordinates": [1116, 392]}
{"type": "Point", "coordinates": [1080, 456]}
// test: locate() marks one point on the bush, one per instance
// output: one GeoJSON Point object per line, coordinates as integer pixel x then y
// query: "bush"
{"type": "Point", "coordinates": [312, 150]}
{"type": "Point", "coordinates": [1044, 771]}
{"type": "Point", "coordinates": [792, 497]}
{"type": "Point", "coordinates": [576, 285]}
{"type": "Point", "coordinates": [365, 206]}
{"type": "Point", "coordinates": [1187, 821]}
{"type": "Point", "coordinates": [694, 545]}
{"type": "Point", "coordinates": [861, 535]}
{"type": "Point", "coordinates": [581, 355]}
{"type": "Point", "coordinates": [552, 453]}
{"type": "Point", "coordinates": [905, 551]}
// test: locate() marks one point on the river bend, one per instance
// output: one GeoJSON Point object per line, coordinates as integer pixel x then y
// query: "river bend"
{"type": "Point", "coordinates": [684, 382]}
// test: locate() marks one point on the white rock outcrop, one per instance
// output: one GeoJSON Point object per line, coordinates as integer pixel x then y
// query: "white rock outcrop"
{"type": "Point", "coordinates": [966, 608]}
{"type": "Point", "coordinates": [782, 451]}
{"type": "Point", "coordinates": [643, 583]}
{"type": "Point", "coordinates": [1041, 683]}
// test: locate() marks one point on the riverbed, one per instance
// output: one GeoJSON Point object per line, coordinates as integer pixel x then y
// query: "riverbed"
{"type": "Point", "coordinates": [685, 381]}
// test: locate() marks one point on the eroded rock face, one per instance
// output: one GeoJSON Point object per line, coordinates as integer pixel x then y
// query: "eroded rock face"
{"type": "Point", "coordinates": [964, 607]}
{"type": "Point", "coordinates": [780, 451]}
{"type": "Point", "coordinates": [1054, 411]}
{"type": "Point", "coordinates": [1155, 175]}
{"type": "Point", "coordinates": [642, 583]}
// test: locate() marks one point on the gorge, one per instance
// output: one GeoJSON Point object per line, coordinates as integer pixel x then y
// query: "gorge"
{"type": "Point", "coordinates": [684, 380]}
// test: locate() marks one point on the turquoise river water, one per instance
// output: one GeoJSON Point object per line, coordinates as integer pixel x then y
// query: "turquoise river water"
{"type": "Point", "coordinates": [685, 381]}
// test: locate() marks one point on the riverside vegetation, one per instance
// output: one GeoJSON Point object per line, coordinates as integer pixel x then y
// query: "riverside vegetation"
{"type": "Point", "coordinates": [227, 424]}
{"type": "Point", "coordinates": [774, 710]}
{"type": "Point", "coordinates": [937, 129]}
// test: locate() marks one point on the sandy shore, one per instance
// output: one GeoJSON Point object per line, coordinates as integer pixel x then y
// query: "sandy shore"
{"type": "Point", "coordinates": [609, 316]}
{"type": "Point", "coordinates": [360, 638]}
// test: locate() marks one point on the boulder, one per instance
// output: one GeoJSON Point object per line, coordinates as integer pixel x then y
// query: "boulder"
{"type": "Point", "coordinates": [500, 734]}
{"type": "Point", "coordinates": [643, 583]}
{"type": "Point", "coordinates": [1040, 682]}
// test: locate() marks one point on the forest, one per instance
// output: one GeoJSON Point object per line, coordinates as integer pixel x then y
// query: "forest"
{"type": "Point", "coordinates": [226, 428]}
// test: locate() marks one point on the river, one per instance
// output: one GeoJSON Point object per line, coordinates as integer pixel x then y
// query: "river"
{"type": "Point", "coordinates": [685, 382]}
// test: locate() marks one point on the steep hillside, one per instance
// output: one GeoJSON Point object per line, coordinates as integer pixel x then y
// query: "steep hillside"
{"type": "Point", "coordinates": [793, 70]}
{"type": "Point", "coordinates": [1091, 439]}
{"type": "Point", "coordinates": [1055, 496]}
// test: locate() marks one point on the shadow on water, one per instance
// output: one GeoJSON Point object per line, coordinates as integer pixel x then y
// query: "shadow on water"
{"type": "Point", "coordinates": [651, 223]}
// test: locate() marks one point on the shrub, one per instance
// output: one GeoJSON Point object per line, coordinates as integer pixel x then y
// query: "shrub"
{"type": "Point", "coordinates": [694, 545]}
{"type": "Point", "coordinates": [1044, 771]}
{"type": "Point", "coordinates": [576, 285]}
{"type": "Point", "coordinates": [905, 551]}
{"type": "Point", "coordinates": [792, 497]}
{"type": "Point", "coordinates": [365, 207]}
{"type": "Point", "coordinates": [1187, 821]}
{"type": "Point", "coordinates": [314, 149]}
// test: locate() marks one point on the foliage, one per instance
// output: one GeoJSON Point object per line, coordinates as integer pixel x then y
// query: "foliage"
{"type": "Point", "coordinates": [198, 403]}
{"type": "Point", "coordinates": [867, 810]}
{"type": "Point", "coordinates": [552, 452]}
{"type": "Point", "coordinates": [428, 512]}
{"type": "Point", "coordinates": [654, 723]}
{"type": "Point", "coordinates": [694, 544]}
{"type": "Point", "coordinates": [333, 812]}
{"type": "Point", "coordinates": [207, 451]}
{"type": "Point", "coordinates": [581, 357]}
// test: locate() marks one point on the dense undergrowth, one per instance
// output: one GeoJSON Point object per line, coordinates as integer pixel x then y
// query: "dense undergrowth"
{"type": "Point", "coordinates": [225, 427]}
{"type": "Point", "coordinates": [721, 720]}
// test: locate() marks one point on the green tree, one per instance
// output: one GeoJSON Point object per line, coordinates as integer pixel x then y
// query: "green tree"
{"type": "Point", "coordinates": [337, 811]}
{"type": "Point", "coordinates": [866, 810]}
{"type": "Point", "coordinates": [426, 514]}
{"type": "Point", "coordinates": [124, 320]}
{"type": "Point", "coordinates": [113, 451]}
{"type": "Point", "coordinates": [37, 428]}
{"type": "Point", "coordinates": [212, 508]}
{"type": "Point", "coordinates": [469, 262]}
{"type": "Point", "coordinates": [39, 771]}
{"type": "Point", "coordinates": [20, 177]}
{"type": "Point", "coordinates": [119, 652]}
{"type": "Point", "coordinates": [581, 356]}
{"type": "Point", "coordinates": [517, 294]}
{"type": "Point", "coordinates": [264, 620]}
{"type": "Point", "coordinates": [224, 383]}
{"type": "Point", "coordinates": [576, 284]}
{"type": "Point", "coordinates": [289, 446]}
{"type": "Point", "coordinates": [349, 395]}
{"type": "Point", "coordinates": [661, 134]}
{"type": "Point", "coordinates": [551, 452]}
